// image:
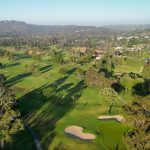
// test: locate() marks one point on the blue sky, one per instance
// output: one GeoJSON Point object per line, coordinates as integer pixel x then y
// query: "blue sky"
{"type": "Point", "coordinates": [79, 12]}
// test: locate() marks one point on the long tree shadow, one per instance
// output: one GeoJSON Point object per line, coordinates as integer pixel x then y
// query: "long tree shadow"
{"type": "Point", "coordinates": [46, 68]}
{"type": "Point", "coordinates": [64, 87]}
{"type": "Point", "coordinates": [17, 78]}
{"type": "Point", "coordinates": [71, 71]}
{"type": "Point", "coordinates": [42, 113]}
{"type": "Point", "coordinates": [24, 138]}
{"type": "Point", "coordinates": [22, 56]}
{"type": "Point", "coordinates": [35, 98]}
{"type": "Point", "coordinates": [12, 64]}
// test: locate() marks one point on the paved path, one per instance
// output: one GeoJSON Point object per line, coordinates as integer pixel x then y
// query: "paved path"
{"type": "Point", "coordinates": [35, 138]}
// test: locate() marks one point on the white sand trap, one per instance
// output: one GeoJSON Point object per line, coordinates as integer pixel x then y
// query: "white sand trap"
{"type": "Point", "coordinates": [116, 117]}
{"type": "Point", "coordinates": [76, 131]}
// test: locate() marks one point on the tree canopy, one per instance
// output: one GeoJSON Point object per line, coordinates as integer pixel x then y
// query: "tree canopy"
{"type": "Point", "coordinates": [10, 122]}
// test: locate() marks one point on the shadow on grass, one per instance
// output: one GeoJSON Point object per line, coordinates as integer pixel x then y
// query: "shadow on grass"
{"type": "Point", "coordinates": [21, 141]}
{"type": "Point", "coordinates": [22, 56]}
{"type": "Point", "coordinates": [17, 79]}
{"type": "Point", "coordinates": [12, 64]}
{"type": "Point", "coordinates": [71, 71]}
{"type": "Point", "coordinates": [42, 113]}
{"type": "Point", "coordinates": [117, 87]}
{"type": "Point", "coordinates": [46, 68]}
{"type": "Point", "coordinates": [64, 87]}
{"type": "Point", "coordinates": [142, 89]}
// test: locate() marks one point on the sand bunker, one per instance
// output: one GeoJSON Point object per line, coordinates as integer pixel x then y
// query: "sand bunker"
{"type": "Point", "coordinates": [76, 131]}
{"type": "Point", "coordinates": [115, 117]}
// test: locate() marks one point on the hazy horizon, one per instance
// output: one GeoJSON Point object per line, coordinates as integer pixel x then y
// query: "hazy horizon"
{"type": "Point", "coordinates": [103, 25]}
{"type": "Point", "coordinates": [84, 13]}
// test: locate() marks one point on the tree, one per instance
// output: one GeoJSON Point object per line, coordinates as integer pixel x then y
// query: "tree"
{"type": "Point", "coordinates": [107, 66]}
{"type": "Point", "coordinates": [12, 57]}
{"type": "Point", "coordinates": [1, 52]}
{"type": "Point", "coordinates": [93, 78]}
{"type": "Point", "coordinates": [6, 53]}
{"type": "Point", "coordinates": [80, 73]}
{"type": "Point", "coordinates": [37, 57]}
{"type": "Point", "coordinates": [146, 71]}
{"type": "Point", "coordinates": [63, 70]}
{"type": "Point", "coordinates": [1, 65]}
{"type": "Point", "coordinates": [59, 58]}
{"type": "Point", "coordinates": [137, 115]}
{"type": "Point", "coordinates": [143, 88]}
{"type": "Point", "coordinates": [84, 59]}
{"type": "Point", "coordinates": [110, 97]}
{"type": "Point", "coordinates": [34, 69]}
{"type": "Point", "coordinates": [10, 122]}
{"type": "Point", "coordinates": [72, 58]}
{"type": "Point", "coordinates": [2, 79]}
{"type": "Point", "coordinates": [48, 92]}
{"type": "Point", "coordinates": [129, 80]}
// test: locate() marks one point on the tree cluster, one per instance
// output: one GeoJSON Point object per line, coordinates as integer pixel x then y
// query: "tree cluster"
{"type": "Point", "coordinates": [93, 78]}
{"type": "Point", "coordinates": [137, 115]}
{"type": "Point", "coordinates": [10, 122]}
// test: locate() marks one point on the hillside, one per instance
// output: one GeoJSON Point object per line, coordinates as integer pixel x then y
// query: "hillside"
{"type": "Point", "coordinates": [21, 28]}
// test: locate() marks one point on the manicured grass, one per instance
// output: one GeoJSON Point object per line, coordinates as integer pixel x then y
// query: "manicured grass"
{"type": "Point", "coordinates": [131, 64]}
{"type": "Point", "coordinates": [128, 69]}
{"type": "Point", "coordinates": [108, 133]}
{"type": "Point", "coordinates": [72, 104]}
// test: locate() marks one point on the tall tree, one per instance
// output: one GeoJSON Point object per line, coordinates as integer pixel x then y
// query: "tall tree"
{"type": "Point", "coordinates": [93, 78]}
{"type": "Point", "coordinates": [10, 122]}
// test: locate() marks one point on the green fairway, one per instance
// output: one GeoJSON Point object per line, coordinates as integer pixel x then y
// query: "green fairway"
{"type": "Point", "coordinates": [48, 117]}
{"type": "Point", "coordinates": [130, 65]}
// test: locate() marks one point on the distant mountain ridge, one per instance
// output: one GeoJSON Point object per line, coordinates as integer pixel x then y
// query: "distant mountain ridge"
{"type": "Point", "coordinates": [21, 28]}
{"type": "Point", "coordinates": [17, 27]}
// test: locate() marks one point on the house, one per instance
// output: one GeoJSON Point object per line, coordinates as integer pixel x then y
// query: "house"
{"type": "Point", "coordinates": [120, 38]}
{"type": "Point", "coordinates": [118, 53]}
{"type": "Point", "coordinates": [80, 49]}
{"type": "Point", "coordinates": [118, 48]}
{"type": "Point", "coordinates": [30, 52]}
{"type": "Point", "coordinates": [99, 53]}
{"type": "Point", "coordinates": [34, 52]}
